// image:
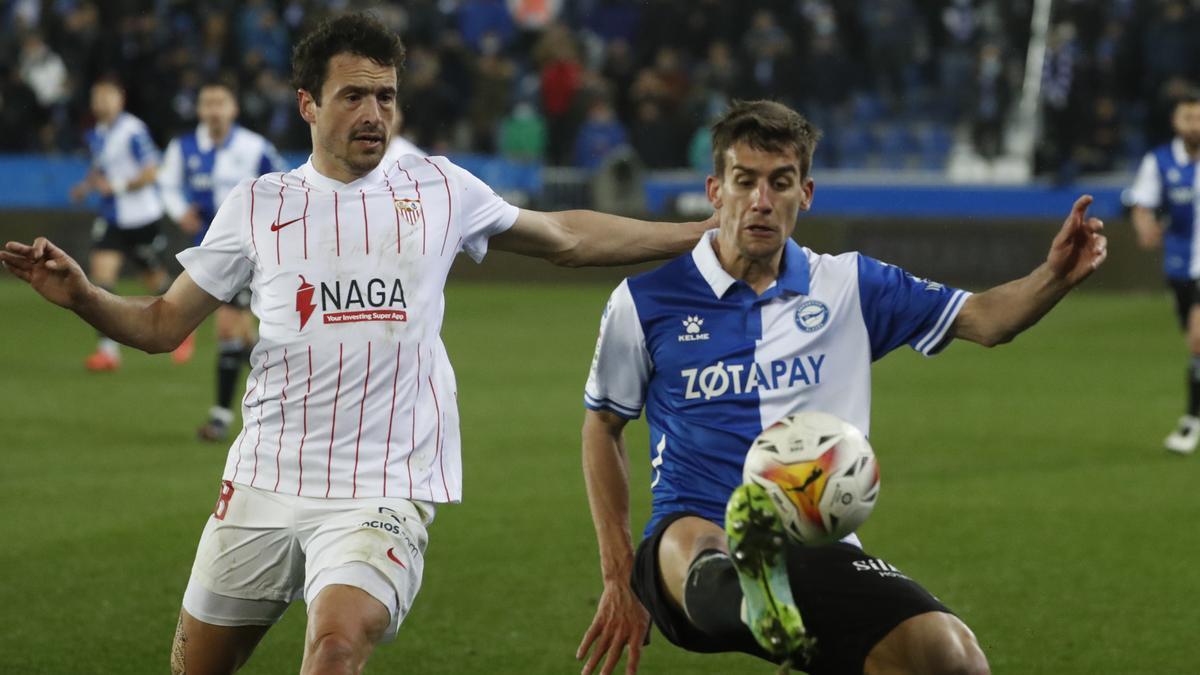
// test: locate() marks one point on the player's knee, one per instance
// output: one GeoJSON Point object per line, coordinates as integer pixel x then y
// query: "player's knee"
{"type": "Point", "coordinates": [335, 652]}
{"type": "Point", "coordinates": [959, 657]}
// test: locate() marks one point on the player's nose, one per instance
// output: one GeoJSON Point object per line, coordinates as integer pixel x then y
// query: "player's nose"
{"type": "Point", "coordinates": [761, 198]}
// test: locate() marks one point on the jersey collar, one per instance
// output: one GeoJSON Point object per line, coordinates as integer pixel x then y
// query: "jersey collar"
{"type": "Point", "coordinates": [1179, 152]}
{"type": "Point", "coordinates": [204, 141]}
{"type": "Point", "coordinates": [319, 180]}
{"type": "Point", "coordinates": [793, 277]}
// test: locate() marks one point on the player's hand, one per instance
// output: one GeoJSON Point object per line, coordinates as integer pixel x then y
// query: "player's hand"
{"type": "Point", "coordinates": [189, 222]}
{"type": "Point", "coordinates": [80, 190]}
{"type": "Point", "coordinates": [101, 185]}
{"type": "Point", "coordinates": [1080, 246]}
{"type": "Point", "coordinates": [620, 621]}
{"type": "Point", "coordinates": [49, 270]}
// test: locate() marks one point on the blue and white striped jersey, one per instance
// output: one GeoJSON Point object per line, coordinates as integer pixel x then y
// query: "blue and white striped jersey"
{"type": "Point", "coordinates": [120, 151]}
{"type": "Point", "coordinates": [197, 172]}
{"type": "Point", "coordinates": [714, 364]}
{"type": "Point", "coordinates": [1167, 180]}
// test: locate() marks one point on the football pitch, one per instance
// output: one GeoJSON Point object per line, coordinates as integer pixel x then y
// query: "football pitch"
{"type": "Point", "coordinates": [1025, 486]}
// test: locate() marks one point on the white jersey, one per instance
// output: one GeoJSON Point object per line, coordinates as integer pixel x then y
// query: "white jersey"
{"type": "Point", "coordinates": [399, 147]}
{"type": "Point", "coordinates": [120, 151]}
{"type": "Point", "coordinates": [350, 393]}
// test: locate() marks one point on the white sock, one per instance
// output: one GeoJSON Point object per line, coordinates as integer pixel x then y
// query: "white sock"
{"type": "Point", "coordinates": [110, 347]}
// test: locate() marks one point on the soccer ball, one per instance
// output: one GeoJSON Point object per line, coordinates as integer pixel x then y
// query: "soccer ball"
{"type": "Point", "coordinates": [820, 472]}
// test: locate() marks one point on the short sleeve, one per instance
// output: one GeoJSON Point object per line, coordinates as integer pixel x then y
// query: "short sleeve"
{"type": "Point", "coordinates": [899, 308]}
{"type": "Point", "coordinates": [1147, 188]}
{"type": "Point", "coordinates": [143, 148]}
{"type": "Point", "coordinates": [621, 366]}
{"type": "Point", "coordinates": [484, 214]}
{"type": "Point", "coordinates": [170, 181]}
{"type": "Point", "coordinates": [221, 264]}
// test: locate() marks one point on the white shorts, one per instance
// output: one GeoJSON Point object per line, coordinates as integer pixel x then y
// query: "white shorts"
{"type": "Point", "coordinates": [261, 550]}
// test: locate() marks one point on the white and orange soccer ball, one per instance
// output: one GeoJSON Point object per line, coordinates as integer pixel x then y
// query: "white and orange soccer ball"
{"type": "Point", "coordinates": [820, 472]}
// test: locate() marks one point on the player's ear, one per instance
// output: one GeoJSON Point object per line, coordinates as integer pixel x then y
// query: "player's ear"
{"type": "Point", "coordinates": [307, 105]}
{"type": "Point", "coordinates": [712, 187]}
{"type": "Point", "coordinates": [808, 187]}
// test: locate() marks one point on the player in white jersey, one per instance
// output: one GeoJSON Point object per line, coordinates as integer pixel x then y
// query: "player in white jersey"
{"type": "Point", "coordinates": [721, 343]}
{"type": "Point", "coordinates": [351, 424]}
{"type": "Point", "coordinates": [123, 169]}
{"type": "Point", "coordinates": [199, 170]}
{"type": "Point", "coordinates": [399, 145]}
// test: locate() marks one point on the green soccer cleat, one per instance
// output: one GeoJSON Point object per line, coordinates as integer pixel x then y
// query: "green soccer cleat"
{"type": "Point", "coordinates": [756, 545]}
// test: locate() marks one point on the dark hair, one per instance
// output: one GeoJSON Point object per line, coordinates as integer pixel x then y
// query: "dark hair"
{"type": "Point", "coordinates": [359, 34]}
{"type": "Point", "coordinates": [764, 125]}
{"type": "Point", "coordinates": [1189, 96]}
{"type": "Point", "coordinates": [223, 81]}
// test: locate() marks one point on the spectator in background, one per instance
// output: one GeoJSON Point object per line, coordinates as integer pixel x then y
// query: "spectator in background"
{"type": "Point", "coordinates": [1059, 121]}
{"type": "Point", "coordinates": [491, 85]}
{"type": "Point", "coordinates": [523, 135]}
{"type": "Point", "coordinates": [561, 74]}
{"type": "Point", "coordinates": [600, 134]}
{"type": "Point", "coordinates": [44, 72]}
{"type": "Point", "coordinates": [428, 102]}
{"type": "Point", "coordinates": [19, 110]}
{"type": "Point", "coordinates": [989, 104]}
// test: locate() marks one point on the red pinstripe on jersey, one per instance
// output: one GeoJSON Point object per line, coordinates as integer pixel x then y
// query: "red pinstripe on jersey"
{"type": "Point", "coordinates": [258, 416]}
{"type": "Point", "coordinates": [253, 241]}
{"type": "Point", "coordinates": [366, 231]}
{"type": "Point", "coordinates": [278, 216]}
{"type": "Point", "coordinates": [361, 408]}
{"type": "Point", "coordinates": [437, 444]}
{"type": "Point", "coordinates": [387, 453]}
{"type": "Point", "coordinates": [333, 425]}
{"type": "Point", "coordinates": [416, 399]}
{"type": "Point", "coordinates": [449, 204]}
{"type": "Point", "coordinates": [304, 217]}
{"type": "Point", "coordinates": [417, 188]}
{"type": "Point", "coordinates": [304, 433]}
{"type": "Point", "coordinates": [337, 225]}
{"type": "Point", "coordinates": [282, 417]}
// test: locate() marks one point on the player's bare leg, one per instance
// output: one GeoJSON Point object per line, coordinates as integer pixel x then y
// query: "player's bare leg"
{"type": "Point", "coordinates": [1186, 436]}
{"type": "Point", "coordinates": [344, 625]}
{"type": "Point", "coordinates": [104, 267]}
{"type": "Point", "coordinates": [202, 648]}
{"type": "Point", "coordinates": [934, 643]}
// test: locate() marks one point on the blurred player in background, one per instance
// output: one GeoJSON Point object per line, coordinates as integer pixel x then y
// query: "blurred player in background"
{"type": "Point", "coordinates": [199, 170]}
{"type": "Point", "coordinates": [399, 145]}
{"type": "Point", "coordinates": [350, 424]}
{"type": "Point", "coordinates": [718, 345]}
{"type": "Point", "coordinates": [122, 172]}
{"type": "Point", "coordinates": [1167, 182]}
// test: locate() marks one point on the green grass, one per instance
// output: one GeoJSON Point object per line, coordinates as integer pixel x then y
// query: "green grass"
{"type": "Point", "coordinates": [1025, 486]}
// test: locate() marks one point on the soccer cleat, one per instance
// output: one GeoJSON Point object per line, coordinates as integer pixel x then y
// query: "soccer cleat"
{"type": "Point", "coordinates": [213, 431]}
{"type": "Point", "coordinates": [183, 353]}
{"type": "Point", "coordinates": [1185, 437]}
{"type": "Point", "coordinates": [101, 361]}
{"type": "Point", "coordinates": [756, 546]}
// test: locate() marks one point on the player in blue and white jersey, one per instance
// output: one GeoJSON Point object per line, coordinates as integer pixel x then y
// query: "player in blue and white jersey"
{"type": "Point", "coordinates": [720, 343]}
{"type": "Point", "coordinates": [199, 170]}
{"type": "Point", "coordinates": [122, 172]}
{"type": "Point", "coordinates": [1167, 183]}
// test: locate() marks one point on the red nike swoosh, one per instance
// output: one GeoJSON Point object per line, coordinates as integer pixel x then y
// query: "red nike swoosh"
{"type": "Point", "coordinates": [394, 559]}
{"type": "Point", "coordinates": [275, 227]}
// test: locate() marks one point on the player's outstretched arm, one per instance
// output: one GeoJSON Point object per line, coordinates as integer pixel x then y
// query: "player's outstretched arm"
{"type": "Point", "coordinates": [153, 323]}
{"type": "Point", "coordinates": [590, 238]}
{"type": "Point", "coordinates": [1147, 227]}
{"type": "Point", "coordinates": [620, 619]}
{"type": "Point", "coordinates": [999, 314]}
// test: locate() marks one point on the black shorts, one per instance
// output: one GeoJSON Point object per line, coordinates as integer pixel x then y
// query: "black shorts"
{"type": "Point", "coordinates": [1187, 294]}
{"type": "Point", "coordinates": [848, 599]}
{"type": "Point", "coordinates": [143, 245]}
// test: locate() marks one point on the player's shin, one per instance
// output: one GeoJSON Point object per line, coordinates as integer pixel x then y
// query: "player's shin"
{"type": "Point", "coordinates": [712, 595]}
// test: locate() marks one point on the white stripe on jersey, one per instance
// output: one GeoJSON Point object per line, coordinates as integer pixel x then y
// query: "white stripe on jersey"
{"type": "Point", "coordinates": [350, 393]}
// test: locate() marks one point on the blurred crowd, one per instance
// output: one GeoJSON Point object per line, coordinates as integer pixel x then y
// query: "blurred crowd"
{"type": "Point", "coordinates": [892, 82]}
